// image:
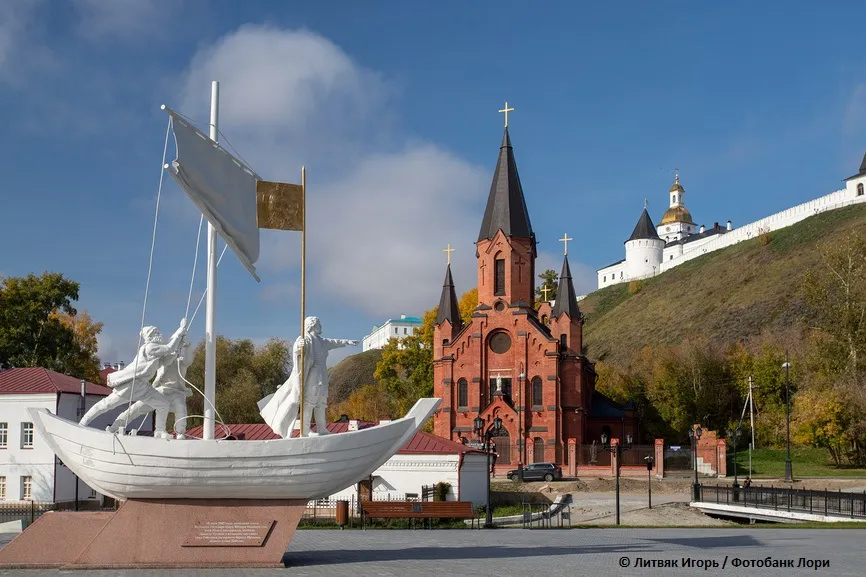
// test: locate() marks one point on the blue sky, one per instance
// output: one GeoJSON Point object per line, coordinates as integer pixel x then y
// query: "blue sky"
{"type": "Point", "coordinates": [393, 106]}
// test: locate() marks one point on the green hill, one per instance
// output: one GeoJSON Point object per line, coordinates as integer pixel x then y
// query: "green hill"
{"type": "Point", "coordinates": [350, 373]}
{"type": "Point", "coordinates": [740, 291]}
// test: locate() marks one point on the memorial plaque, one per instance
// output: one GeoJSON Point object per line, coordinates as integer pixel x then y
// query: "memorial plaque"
{"type": "Point", "coordinates": [228, 534]}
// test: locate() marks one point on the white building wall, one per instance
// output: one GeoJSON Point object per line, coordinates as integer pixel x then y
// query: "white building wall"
{"type": "Point", "coordinates": [40, 462]}
{"type": "Point", "coordinates": [643, 257]}
{"type": "Point", "coordinates": [613, 274]}
{"type": "Point", "coordinates": [390, 330]}
{"type": "Point", "coordinates": [407, 473]}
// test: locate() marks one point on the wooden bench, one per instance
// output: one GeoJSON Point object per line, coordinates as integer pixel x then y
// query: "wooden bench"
{"type": "Point", "coordinates": [418, 510]}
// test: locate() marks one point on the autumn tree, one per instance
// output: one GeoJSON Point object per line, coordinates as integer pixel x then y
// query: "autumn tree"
{"type": "Point", "coordinates": [406, 368]}
{"type": "Point", "coordinates": [244, 374]}
{"type": "Point", "coordinates": [549, 279]}
{"type": "Point", "coordinates": [366, 403]}
{"type": "Point", "coordinates": [40, 327]}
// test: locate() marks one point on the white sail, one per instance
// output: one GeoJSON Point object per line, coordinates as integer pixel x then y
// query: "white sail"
{"type": "Point", "coordinates": [221, 186]}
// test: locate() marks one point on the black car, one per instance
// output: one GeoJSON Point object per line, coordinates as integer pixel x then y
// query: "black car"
{"type": "Point", "coordinates": [538, 472]}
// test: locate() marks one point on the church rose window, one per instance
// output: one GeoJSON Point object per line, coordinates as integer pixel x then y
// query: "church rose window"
{"type": "Point", "coordinates": [462, 394]}
{"type": "Point", "coordinates": [499, 277]}
{"type": "Point", "coordinates": [537, 397]}
{"type": "Point", "coordinates": [500, 343]}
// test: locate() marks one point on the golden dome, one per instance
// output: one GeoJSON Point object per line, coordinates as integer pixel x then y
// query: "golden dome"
{"type": "Point", "coordinates": [677, 187]}
{"type": "Point", "coordinates": [677, 214]}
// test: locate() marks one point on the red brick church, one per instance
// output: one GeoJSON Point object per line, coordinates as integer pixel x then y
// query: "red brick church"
{"type": "Point", "coordinates": [511, 361]}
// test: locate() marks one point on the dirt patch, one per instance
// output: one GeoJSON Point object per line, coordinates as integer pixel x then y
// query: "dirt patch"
{"type": "Point", "coordinates": [667, 515]}
{"type": "Point", "coordinates": [673, 486]}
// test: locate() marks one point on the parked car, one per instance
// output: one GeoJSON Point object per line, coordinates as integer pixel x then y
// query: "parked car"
{"type": "Point", "coordinates": [538, 472]}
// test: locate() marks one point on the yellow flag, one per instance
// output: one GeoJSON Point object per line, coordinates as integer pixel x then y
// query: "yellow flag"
{"type": "Point", "coordinates": [280, 205]}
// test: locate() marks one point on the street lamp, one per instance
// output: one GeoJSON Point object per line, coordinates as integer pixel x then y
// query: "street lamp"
{"type": "Point", "coordinates": [493, 431]}
{"type": "Point", "coordinates": [695, 436]}
{"type": "Point", "coordinates": [521, 383]}
{"type": "Point", "coordinates": [789, 475]}
{"type": "Point", "coordinates": [649, 481]}
{"type": "Point", "coordinates": [734, 435]}
{"type": "Point", "coordinates": [616, 450]}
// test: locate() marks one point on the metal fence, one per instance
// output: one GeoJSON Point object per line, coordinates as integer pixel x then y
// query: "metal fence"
{"type": "Point", "coordinates": [835, 503]}
{"type": "Point", "coordinates": [29, 511]}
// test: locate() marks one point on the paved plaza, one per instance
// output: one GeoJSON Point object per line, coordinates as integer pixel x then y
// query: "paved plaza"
{"type": "Point", "coordinates": [519, 552]}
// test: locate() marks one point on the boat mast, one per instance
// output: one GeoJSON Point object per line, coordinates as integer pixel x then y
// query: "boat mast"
{"type": "Point", "coordinates": [303, 298]}
{"type": "Point", "coordinates": [210, 305]}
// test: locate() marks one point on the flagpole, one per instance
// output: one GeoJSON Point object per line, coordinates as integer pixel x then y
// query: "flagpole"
{"type": "Point", "coordinates": [210, 306]}
{"type": "Point", "coordinates": [303, 294]}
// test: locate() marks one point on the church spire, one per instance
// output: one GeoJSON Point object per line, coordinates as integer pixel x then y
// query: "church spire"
{"type": "Point", "coordinates": [506, 206]}
{"type": "Point", "coordinates": [566, 299]}
{"type": "Point", "coordinates": [448, 309]}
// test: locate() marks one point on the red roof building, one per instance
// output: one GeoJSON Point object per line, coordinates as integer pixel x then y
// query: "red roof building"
{"type": "Point", "coordinates": [37, 380]}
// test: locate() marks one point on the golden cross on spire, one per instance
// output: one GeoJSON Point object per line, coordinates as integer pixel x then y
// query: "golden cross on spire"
{"type": "Point", "coordinates": [677, 175]}
{"type": "Point", "coordinates": [448, 250]}
{"type": "Point", "coordinates": [565, 240]}
{"type": "Point", "coordinates": [544, 290]}
{"type": "Point", "coordinates": [506, 110]}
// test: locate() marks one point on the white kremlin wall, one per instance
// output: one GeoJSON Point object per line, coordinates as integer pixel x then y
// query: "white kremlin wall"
{"type": "Point", "coordinates": [641, 255]}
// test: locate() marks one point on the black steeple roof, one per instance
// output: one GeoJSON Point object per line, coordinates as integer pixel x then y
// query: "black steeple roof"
{"type": "Point", "coordinates": [862, 171]}
{"type": "Point", "coordinates": [506, 207]}
{"type": "Point", "coordinates": [566, 299]}
{"type": "Point", "coordinates": [644, 228]}
{"type": "Point", "coordinates": [448, 309]}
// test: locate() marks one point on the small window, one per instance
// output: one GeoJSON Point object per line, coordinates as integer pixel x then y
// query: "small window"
{"type": "Point", "coordinates": [537, 392]}
{"type": "Point", "coordinates": [4, 435]}
{"type": "Point", "coordinates": [538, 450]}
{"type": "Point", "coordinates": [544, 320]}
{"type": "Point", "coordinates": [26, 435]}
{"type": "Point", "coordinates": [462, 394]}
{"type": "Point", "coordinates": [405, 331]}
{"type": "Point", "coordinates": [563, 341]}
{"type": "Point", "coordinates": [2, 488]}
{"type": "Point", "coordinates": [92, 494]}
{"type": "Point", "coordinates": [604, 278]}
{"type": "Point", "coordinates": [499, 277]}
{"type": "Point", "coordinates": [27, 488]}
{"type": "Point", "coordinates": [396, 331]}
{"type": "Point", "coordinates": [860, 189]}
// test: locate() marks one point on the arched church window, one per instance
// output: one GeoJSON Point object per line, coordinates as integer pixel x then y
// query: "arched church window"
{"type": "Point", "coordinates": [537, 393]}
{"type": "Point", "coordinates": [462, 394]}
{"type": "Point", "coordinates": [563, 341]}
{"type": "Point", "coordinates": [499, 277]}
{"type": "Point", "coordinates": [860, 189]}
{"type": "Point", "coordinates": [544, 320]}
{"type": "Point", "coordinates": [537, 450]}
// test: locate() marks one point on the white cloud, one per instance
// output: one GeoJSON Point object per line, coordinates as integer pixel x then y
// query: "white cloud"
{"type": "Point", "coordinates": [376, 216]}
{"type": "Point", "coordinates": [21, 49]}
{"type": "Point", "coordinates": [122, 19]}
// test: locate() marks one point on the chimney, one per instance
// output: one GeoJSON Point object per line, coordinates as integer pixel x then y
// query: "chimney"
{"type": "Point", "coordinates": [115, 367]}
{"type": "Point", "coordinates": [716, 225]}
{"type": "Point", "coordinates": [120, 365]}
{"type": "Point", "coordinates": [730, 226]}
{"type": "Point", "coordinates": [402, 317]}
{"type": "Point", "coordinates": [702, 228]}
{"type": "Point", "coordinates": [353, 424]}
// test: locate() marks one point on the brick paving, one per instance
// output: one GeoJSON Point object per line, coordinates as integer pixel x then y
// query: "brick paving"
{"type": "Point", "coordinates": [595, 552]}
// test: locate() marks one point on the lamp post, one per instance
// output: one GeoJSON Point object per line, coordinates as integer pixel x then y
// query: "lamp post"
{"type": "Point", "coordinates": [616, 450]}
{"type": "Point", "coordinates": [486, 435]}
{"type": "Point", "coordinates": [649, 480]}
{"type": "Point", "coordinates": [734, 435]}
{"type": "Point", "coordinates": [695, 436]}
{"type": "Point", "coordinates": [521, 380]}
{"type": "Point", "coordinates": [789, 475]}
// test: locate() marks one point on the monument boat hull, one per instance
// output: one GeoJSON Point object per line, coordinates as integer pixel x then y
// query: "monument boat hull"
{"type": "Point", "coordinates": [143, 467]}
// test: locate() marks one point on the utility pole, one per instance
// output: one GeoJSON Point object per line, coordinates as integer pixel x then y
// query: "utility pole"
{"type": "Point", "coordinates": [789, 475]}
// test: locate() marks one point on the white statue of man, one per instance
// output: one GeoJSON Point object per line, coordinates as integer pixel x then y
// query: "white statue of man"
{"type": "Point", "coordinates": [280, 410]}
{"type": "Point", "coordinates": [170, 383]}
{"type": "Point", "coordinates": [132, 383]}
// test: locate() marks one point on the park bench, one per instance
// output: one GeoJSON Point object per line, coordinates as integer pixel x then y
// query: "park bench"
{"type": "Point", "coordinates": [418, 510]}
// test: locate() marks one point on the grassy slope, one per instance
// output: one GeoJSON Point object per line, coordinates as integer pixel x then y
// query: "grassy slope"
{"type": "Point", "coordinates": [805, 462]}
{"type": "Point", "coordinates": [736, 292]}
{"type": "Point", "coordinates": [350, 373]}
